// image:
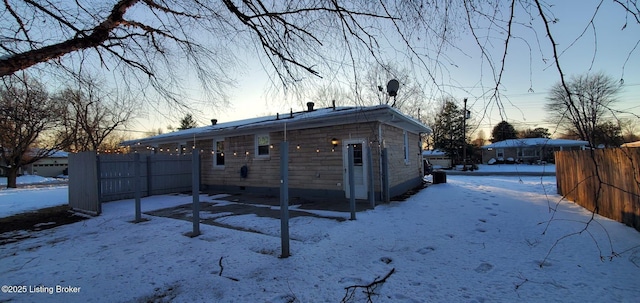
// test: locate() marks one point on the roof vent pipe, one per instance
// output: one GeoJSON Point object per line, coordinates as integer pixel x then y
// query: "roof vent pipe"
{"type": "Point", "coordinates": [310, 106]}
{"type": "Point", "coordinates": [214, 121]}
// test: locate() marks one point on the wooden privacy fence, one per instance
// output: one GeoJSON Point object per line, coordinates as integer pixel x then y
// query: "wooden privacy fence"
{"type": "Point", "coordinates": [606, 178]}
{"type": "Point", "coordinates": [94, 179]}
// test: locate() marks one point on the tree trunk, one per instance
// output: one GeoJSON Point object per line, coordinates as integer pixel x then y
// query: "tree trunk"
{"type": "Point", "coordinates": [12, 176]}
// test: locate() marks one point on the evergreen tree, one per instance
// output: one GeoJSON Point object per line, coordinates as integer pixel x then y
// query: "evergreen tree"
{"type": "Point", "coordinates": [503, 131]}
{"type": "Point", "coordinates": [187, 122]}
{"type": "Point", "coordinates": [448, 134]}
{"type": "Point", "coordinates": [538, 132]}
{"type": "Point", "coordinates": [608, 134]}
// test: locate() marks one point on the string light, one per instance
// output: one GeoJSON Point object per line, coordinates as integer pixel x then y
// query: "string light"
{"type": "Point", "coordinates": [182, 150]}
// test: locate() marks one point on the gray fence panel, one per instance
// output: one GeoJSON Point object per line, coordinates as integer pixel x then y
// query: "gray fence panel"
{"type": "Point", "coordinates": [169, 174]}
{"type": "Point", "coordinates": [84, 194]}
{"type": "Point", "coordinates": [117, 177]}
{"type": "Point", "coordinates": [101, 178]}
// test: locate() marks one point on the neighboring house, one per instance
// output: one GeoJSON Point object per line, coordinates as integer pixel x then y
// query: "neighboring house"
{"type": "Point", "coordinates": [437, 158]}
{"type": "Point", "coordinates": [245, 155]}
{"type": "Point", "coordinates": [529, 150]}
{"type": "Point", "coordinates": [53, 165]}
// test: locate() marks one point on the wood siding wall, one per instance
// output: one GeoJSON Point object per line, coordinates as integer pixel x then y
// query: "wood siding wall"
{"type": "Point", "coordinates": [399, 170]}
{"type": "Point", "coordinates": [313, 164]}
{"type": "Point", "coordinates": [618, 185]}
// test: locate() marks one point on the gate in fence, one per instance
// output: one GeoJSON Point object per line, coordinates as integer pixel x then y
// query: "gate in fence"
{"type": "Point", "coordinates": [94, 178]}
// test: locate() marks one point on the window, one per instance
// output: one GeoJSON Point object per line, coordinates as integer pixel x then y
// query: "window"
{"type": "Point", "coordinates": [406, 146]}
{"type": "Point", "coordinates": [530, 152]}
{"type": "Point", "coordinates": [357, 154]}
{"type": "Point", "coordinates": [262, 145]}
{"type": "Point", "coordinates": [500, 152]}
{"type": "Point", "coordinates": [218, 151]}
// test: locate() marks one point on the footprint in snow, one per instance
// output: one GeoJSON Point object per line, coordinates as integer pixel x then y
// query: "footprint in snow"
{"type": "Point", "coordinates": [425, 250]}
{"type": "Point", "coordinates": [484, 267]}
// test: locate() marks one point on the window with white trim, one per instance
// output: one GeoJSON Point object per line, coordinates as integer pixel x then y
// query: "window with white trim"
{"type": "Point", "coordinates": [218, 153]}
{"type": "Point", "coordinates": [500, 152]}
{"type": "Point", "coordinates": [262, 145]}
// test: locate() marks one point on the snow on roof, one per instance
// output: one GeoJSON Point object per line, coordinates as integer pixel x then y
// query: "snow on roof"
{"type": "Point", "coordinates": [51, 154]}
{"type": "Point", "coordinates": [530, 142]}
{"type": "Point", "coordinates": [274, 120]}
{"type": "Point", "coordinates": [58, 154]}
{"type": "Point", "coordinates": [434, 152]}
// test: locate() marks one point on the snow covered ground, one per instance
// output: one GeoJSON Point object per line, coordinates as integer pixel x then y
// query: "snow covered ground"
{"type": "Point", "coordinates": [28, 198]}
{"type": "Point", "coordinates": [473, 239]}
{"type": "Point", "coordinates": [507, 169]}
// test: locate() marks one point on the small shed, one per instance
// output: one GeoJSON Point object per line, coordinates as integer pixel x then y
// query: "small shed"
{"type": "Point", "coordinates": [529, 150]}
{"type": "Point", "coordinates": [437, 158]}
{"type": "Point", "coordinates": [244, 155]}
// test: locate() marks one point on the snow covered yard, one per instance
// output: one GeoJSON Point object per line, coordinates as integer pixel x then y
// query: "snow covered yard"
{"type": "Point", "coordinates": [32, 194]}
{"type": "Point", "coordinates": [473, 239]}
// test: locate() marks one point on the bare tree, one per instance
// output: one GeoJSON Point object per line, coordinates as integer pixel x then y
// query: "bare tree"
{"type": "Point", "coordinates": [374, 88]}
{"type": "Point", "coordinates": [139, 41]}
{"type": "Point", "coordinates": [92, 114]}
{"type": "Point", "coordinates": [324, 95]}
{"type": "Point", "coordinates": [630, 129]}
{"type": "Point", "coordinates": [583, 104]}
{"type": "Point", "coordinates": [480, 139]}
{"type": "Point", "coordinates": [26, 113]}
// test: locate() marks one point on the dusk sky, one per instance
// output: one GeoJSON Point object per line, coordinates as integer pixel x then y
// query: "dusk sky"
{"type": "Point", "coordinates": [525, 82]}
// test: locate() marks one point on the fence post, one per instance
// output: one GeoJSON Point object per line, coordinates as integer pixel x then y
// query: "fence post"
{"type": "Point", "coordinates": [372, 198]}
{"type": "Point", "coordinates": [99, 185]}
{"type": "Point", "coordinates": [284, 198]}
{"type": "Point", "coordinates": [137, 186]}
{"type": "Point", "coordinates": [149, 174]}
{"type": "Point", "coordinates": [385, 176]}
{"type": "Point", "coordinates": [195, 191]}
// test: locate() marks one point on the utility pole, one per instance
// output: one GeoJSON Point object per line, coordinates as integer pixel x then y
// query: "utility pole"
{"type": "Point", "coordinates": [466, 115]}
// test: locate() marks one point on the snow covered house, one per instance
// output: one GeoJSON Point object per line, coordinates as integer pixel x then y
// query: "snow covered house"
{"type": "Point", "coordinates": [437, 158]}
{"type": "Point", "coordinates": [53, 165]}
{"type": "Point", "coordinates": [528, 150]}
{"type": "Point", "coordinates": [244, 155]}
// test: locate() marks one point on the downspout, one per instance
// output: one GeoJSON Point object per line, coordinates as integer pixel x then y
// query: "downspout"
{"type": "Point", "coordinates": [380, 159]}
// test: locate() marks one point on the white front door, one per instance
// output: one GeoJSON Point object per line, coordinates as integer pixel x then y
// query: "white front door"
{"type": "Point", "coordinates": [360, 168]}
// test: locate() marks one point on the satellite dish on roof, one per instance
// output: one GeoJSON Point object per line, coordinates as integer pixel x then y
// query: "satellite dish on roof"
{"type": "Point", "coordinates": [392, 87]}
